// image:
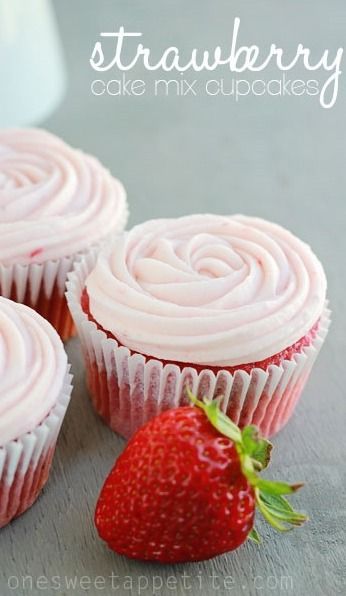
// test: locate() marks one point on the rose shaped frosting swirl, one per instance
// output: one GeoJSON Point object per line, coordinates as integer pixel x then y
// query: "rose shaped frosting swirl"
{"type": "Point", "coordinates": [207, 289]}
{"type": "Point", "coordinates": [54, 200]}
{"type": "Point", "coordinates": [33, 364]}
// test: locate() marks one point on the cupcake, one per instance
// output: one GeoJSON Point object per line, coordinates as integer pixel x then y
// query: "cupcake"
{"type": "Point", "coordinates": [55, 203]}
{"type": "Point", "coordinates": [35, 388]}
{"type": "Point", "coordinates": [229, 306]}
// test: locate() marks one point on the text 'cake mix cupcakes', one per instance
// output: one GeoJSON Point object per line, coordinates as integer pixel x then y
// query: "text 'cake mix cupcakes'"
{"type": "Point", "coordinates": [55, 203]}
{"type": "Point", "coordinates": [35, 388]}
{"type": "Point", "coordinates": [232, 306]}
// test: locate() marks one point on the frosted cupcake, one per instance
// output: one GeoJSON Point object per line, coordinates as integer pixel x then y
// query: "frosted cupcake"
{"type": "Point", "coordinates": [35, 388]}
{"type": "Point", "coordinates": [232, 306]}
{"type": "Point", "coordinates": [55, 203]}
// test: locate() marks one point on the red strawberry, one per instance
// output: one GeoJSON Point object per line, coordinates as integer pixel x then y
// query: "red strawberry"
{"type": "Point", "coordinates": [185, 488]}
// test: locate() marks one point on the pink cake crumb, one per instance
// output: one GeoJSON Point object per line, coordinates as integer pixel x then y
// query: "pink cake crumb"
{"type": "Point", "coordinates": [35, 253]}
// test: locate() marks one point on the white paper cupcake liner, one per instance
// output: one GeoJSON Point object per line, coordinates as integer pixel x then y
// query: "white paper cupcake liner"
{"type": "Point", "coordinates": [42, 287]}
{"type": "Point", "coordinates": [25, 462]}
{"type": "Point", "coordinates": [128, 389]}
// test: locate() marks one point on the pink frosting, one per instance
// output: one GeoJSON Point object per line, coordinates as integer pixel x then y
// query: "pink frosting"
{"type": "Point", "coordinates": [54, 200]}
{"type": "Point", "coordinates": [207, 289]}
{"type": "Point", "coordinates": [33, 365]}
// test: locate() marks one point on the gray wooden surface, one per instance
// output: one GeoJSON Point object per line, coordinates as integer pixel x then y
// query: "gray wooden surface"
{"type": "Point", "coordinates": [283, 159]}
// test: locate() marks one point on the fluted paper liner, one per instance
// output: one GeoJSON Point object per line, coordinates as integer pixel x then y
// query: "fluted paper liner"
{"type": "Point", "coordinates": [128, 389]}
{"type": "Point", "coordinates": [25, 462]}
{"type": "Point", "coordinates": [42, 286]}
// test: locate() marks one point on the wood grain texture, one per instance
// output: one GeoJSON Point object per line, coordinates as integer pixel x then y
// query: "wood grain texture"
{"type": "Point", "coordinates": [278, 158]}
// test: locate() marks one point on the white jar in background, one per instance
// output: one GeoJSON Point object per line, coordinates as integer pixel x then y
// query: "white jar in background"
{"type": "Point", "coordinates": [32, 75]}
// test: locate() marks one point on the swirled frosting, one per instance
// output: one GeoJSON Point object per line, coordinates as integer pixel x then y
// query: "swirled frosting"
{"type": "Point", "coordinates": [54, 200]}
{"type": "Point", "coordinates": [207, 289]}
{"type": "Point", "coordinates": [33, 364]}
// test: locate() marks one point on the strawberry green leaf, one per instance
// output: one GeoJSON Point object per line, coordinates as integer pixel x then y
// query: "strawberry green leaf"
{"type": "Point", "coordinates": [254, 455]}
{"type": "Point", "coordinates": [272, 519]}
{"type": "Point", "coordinates": [217, 418]}
{"type": "Point", "coordinates": [282, 509]}
{"type": "Point", "coordinates": [257, 447]}
{"type": "Point", "coordinates": [276, 488]}
{"type": "Point", "coordinates": [254, 536]}
{"type": "Point", "coordinates": [277, 502]}
{"type": "Point", "coordinates": [278, 512]}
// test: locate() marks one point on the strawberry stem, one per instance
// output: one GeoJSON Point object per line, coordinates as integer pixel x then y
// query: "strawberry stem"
{"type": "Point", "coordinates": [254, 455]}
